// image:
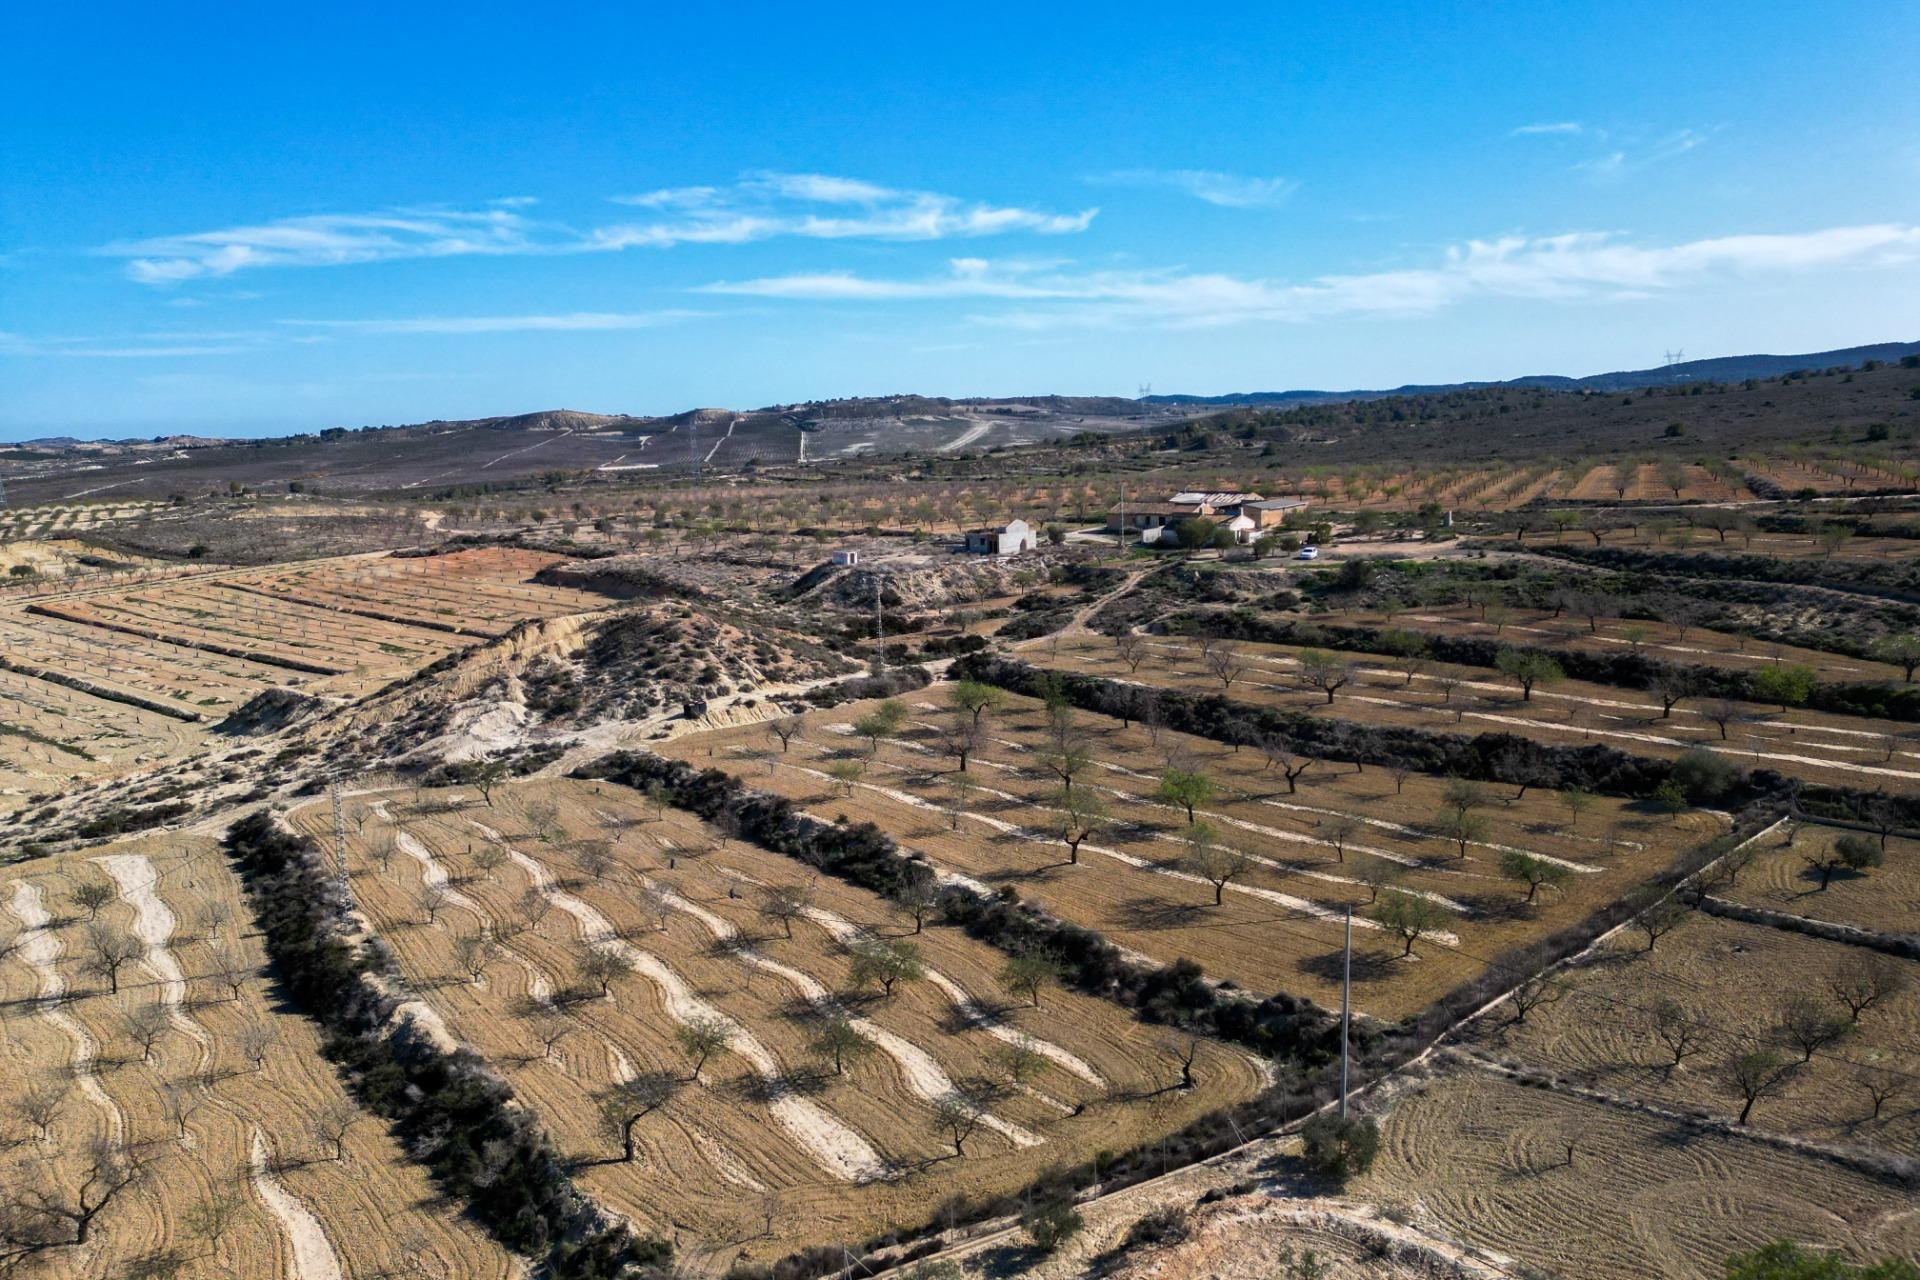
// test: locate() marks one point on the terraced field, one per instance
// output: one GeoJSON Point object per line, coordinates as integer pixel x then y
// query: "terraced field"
{"type": "Point", "coordinates": [1727, 978]}
{"type": "Point", "coordinates": [497, 913]}
{"type": "Point", "coordinates": [191, 1075]}
{"type": "Point", "coordinates": [1614, 636]}
{"type": "Point", "coordinates": [1341, 836]}
{"type": "Point", "coordinates": [1885, 899]}
{"type": "Point", "coordinates": [1472, 1155]}
{"type": "Point", "coordinates": [133, 673]}
{"type": "Point", "coordinates": [1841, 750]}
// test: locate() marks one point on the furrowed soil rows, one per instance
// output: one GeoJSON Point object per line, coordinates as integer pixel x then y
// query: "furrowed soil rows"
{"type": "Point", "coordinates": [1310, 852]}
{"type": "Point", "coordinates": [554, 869]}
{"type": "Point", "coordinates": [1842, 750]}
{"type": "Point", "coordinates": [1885, 899]}
{"type": "Point", "coordinates": [223, 1098]}
{"type": "Point", "coordinates": [1614, 636]}
{"type": "Point", "coordinates": [1729, 977]}
{"type": "Point", "coordinates": [1479, 1157]}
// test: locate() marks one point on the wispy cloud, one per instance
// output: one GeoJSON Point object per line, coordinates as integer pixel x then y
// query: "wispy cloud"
{"type": "Point", "coordinates": [759, 207]}
{"type": "Point", "coordinates": [142, 346]}
{"type": "Point", "coordinates": [1549, 127]}
{"type": "Point", "coordinates": [320, 240]}
{"type": "Point", "coordinates": [763, 206]}
{"type": "Point", "coordinates": [1229, 190]}
{"type": "Point", "coordinates": [1573, 267]}
{"type": "Point", "coordinates": [568, 322]}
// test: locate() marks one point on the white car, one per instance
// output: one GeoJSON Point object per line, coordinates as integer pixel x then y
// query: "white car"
{"type": "Point", "coordinates": [1308, 553]}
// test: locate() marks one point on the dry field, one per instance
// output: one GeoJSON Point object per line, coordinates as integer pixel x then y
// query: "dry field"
{"type": "Point", "coordinates": [227, 1110]}
{"type": "Point", "coordinates": [1842, 750]}
{"type": "Point", "coordinates": [1733, 981]}
{"type": "Point", "coordinates": [1473, 1155]}
{"type": "Point", "coordinates": [54, 519]}
{"type": "Point", "coordinates": [1658, 639]}
{"type": "Point", "coordinates": [1310, 853]}
{"type": "Point", "coordinates": [1885, 899]}
{"type": "Point", "coordinates": [482, 592]}
{"type": "Point", "coordinates": [770, 1150]}
{"type": "Point", "coordinates": [202, 644]}
{"type": "Point", "coordinates": [1649, 535]}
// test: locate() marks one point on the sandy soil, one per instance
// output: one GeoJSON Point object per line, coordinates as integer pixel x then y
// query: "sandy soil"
{"type": "Point", "coordinates": [372, 1212]}
{"type": "Point", "coordinates": [1102, 1083]}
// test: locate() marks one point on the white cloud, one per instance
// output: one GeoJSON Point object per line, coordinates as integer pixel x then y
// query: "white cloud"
{"type": "Point", "coordinates": [129, 347]}
{"type": "Point", "coordinates": [763, 206]}
{"type": "Point", "coordinates": [759, 207]}
{"type": "Point", "coordinates": [568, 322]}
{"type": "Point", "coordinates": [1229, 190]}
{"type": "Point", "coordinates": [1549, 127]}
{"type": "Point", "coordinates": [324, 240]}
{"type": "Point", "coordinates": [1573, 267]}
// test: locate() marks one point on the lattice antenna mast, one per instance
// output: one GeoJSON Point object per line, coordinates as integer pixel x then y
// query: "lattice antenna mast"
{"type": "Point", "coordinates": [339, 834]}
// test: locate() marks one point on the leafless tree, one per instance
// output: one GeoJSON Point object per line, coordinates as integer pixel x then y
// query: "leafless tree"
{"type": "Point", "coordinates": [548, 1025]}
{"type": "Point", "coordinates": [1881, 1086]}
{"type": "Point", "coordinates": [181, 1099]}
{"type": "Point", "coordinates": [1755, 1074]}
{"type": "Point", "coordinates": [1536, 992]}
{"type": "Point", "coordinates": [786, 729]}
{"type": "Point", "coordinates": [90, 896]}
{"type": "Point", "coordinates": [1809, 1025]}
{"type": "Point", "coordinates": [58, 1208]}
{"type": "Point", "coordinates": [40, 1104]}
{"type": "Point", "coordinates": [1131, 647]}
{"type": "Point", "coordinates": [1677, 1029]}
{"type": "Point", "coordinates": [108, 952]}
{"type": "Point", "coordinates": [331, 1124]}
{"type": "Point", "coordinates": [255, 1042]}
{"type": "Point", "coordinates": [1868, 980]}
{"type": "Point", "coordinates": [532, 907]}
{"type": "Point", "coordinates": [432, 900]}
{"type": "Point", "coordinates": [1660, 919]}
{"type": "Point", "coordinates": [144, 1025]}
{"type": "Point", "coordinates": [473, 952]}
{"type": "Point", "coordinates": [1226, 664]}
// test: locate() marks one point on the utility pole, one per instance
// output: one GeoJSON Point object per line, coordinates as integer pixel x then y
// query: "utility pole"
{"type": "Point", "coordinates": [1346, 1012]}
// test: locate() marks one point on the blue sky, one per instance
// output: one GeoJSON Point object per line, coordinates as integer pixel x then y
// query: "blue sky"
{"type": "Point", "coordinates": [259, 219]}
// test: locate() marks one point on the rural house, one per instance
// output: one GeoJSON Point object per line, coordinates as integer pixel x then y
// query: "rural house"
{"type": "Point", "coordinates": [1009, 540]}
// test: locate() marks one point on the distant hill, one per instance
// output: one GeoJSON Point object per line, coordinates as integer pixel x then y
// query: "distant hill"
{"type": "Point", "coordinates": [1720, 369]}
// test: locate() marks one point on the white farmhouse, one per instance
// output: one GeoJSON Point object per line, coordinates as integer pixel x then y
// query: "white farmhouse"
{"type": "Point", "coordinates": [1008, 540]}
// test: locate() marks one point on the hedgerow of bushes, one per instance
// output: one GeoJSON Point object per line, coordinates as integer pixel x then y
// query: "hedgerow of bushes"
{"type": "Point", "coordinates": [1280, 1026]}
{"type": "Point", "coordinates": [447, 1108]}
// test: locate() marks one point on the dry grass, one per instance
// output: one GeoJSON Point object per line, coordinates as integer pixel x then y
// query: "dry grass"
{"type": "Point", "coordinates": [721, 1155]}
{"type": "Point", "coordinates": [1476, 1156]}
{"type": "Point", "coordinates": [1613, 635]}
{"type": "Point", "coordinates": [1841, 750]}
{"type": "Point", "coordinates": [376, 1211]}
{"type": "Point", "coordinates": [1885, 899]}
{"type": "Point", "coordinates": [1279, 927]}
{"type": "Point", "coordinates": [1733, 980]}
